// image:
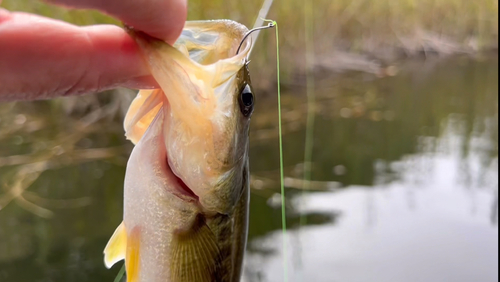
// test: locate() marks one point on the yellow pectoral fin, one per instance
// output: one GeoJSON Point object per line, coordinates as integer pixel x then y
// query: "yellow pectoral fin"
{"type": "Point", "coordinates": [195, 255]}
{"type": "Point", "coordinates": [132, 259]}
{"type": "Point", "coordinates": [141, 112]}
{"type": "Point", "coordinates": [116, 247]}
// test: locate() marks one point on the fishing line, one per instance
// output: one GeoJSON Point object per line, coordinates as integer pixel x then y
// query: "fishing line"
{"type": "Point", "coordinates": [120, 274]}
{"type": "Point", "coordinates": [282, 184]}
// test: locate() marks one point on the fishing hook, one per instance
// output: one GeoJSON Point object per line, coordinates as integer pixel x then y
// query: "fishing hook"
{"type": "Point", "coordinates": [270, 25]}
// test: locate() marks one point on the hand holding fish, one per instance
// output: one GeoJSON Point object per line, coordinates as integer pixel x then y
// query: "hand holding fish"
{"type": "Point", "coordinates": [187, 187]}
{"type": "Point", "coordinates": [43, 58]}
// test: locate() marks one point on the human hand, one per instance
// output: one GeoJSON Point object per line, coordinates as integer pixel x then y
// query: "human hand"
{"type": "Point", "coordinates": [43, 58]}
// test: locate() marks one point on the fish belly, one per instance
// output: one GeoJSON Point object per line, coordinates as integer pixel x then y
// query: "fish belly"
{"type": "Point", "coordinates": [152, 214]}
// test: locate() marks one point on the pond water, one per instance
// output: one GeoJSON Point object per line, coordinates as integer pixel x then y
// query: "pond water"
{"type": "Point", "coordinates": [404, 181]}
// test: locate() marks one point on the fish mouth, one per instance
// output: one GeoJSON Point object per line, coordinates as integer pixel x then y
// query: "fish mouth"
{"type": "Point", "coordinates": [181, 189]}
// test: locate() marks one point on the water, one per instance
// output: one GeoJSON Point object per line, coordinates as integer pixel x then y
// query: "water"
{"type": "Point", "coordinates": [405, 171]}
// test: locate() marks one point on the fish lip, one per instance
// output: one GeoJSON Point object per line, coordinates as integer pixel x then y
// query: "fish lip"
{"type": "Point", "coordinates": [181, 189]}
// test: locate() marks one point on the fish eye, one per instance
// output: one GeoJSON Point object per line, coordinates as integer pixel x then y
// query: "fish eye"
{"type": "Point", "coordinates": [246, 101]}
{"type": "Point", "coordinates": [247, 97]}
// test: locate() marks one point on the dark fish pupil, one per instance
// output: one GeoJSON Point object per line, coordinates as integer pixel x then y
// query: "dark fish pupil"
{"type": "Point", "coordinates": [247, 98]}
{"type": "Point", "coordinates": [246, 101]}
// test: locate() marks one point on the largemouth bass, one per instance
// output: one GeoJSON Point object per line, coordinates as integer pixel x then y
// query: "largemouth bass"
{"type": "Point", "coordinates": [187, 179]}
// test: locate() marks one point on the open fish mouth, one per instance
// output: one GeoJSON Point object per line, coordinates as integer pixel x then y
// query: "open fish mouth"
{"type": "Point", "coordinates": [204, 116]}
{"type": "Point", "coordinates": [159, 157]}
{"type": "Point", "coordinates": [182, 190]}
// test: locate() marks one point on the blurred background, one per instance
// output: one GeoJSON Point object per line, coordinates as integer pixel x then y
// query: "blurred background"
{"type": "Point", "coordinates": [390, 120]}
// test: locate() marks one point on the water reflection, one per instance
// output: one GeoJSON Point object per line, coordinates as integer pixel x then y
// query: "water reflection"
{"type": "Point", "coordinates": [420, 200]}
{"type": "Point", "coordinates": [423, 231]}
{"type": "Point", "coordinates": [406, 167]}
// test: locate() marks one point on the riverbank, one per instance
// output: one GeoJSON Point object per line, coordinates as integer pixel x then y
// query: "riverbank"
{"type": "Point", "coordinates": [377, 37]}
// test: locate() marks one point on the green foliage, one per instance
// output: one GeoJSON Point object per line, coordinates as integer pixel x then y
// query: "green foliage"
{"type": "Point", "coordinates": [78, 17]}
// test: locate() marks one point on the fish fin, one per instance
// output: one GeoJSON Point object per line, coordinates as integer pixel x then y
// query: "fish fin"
{"type": "Point", "coordinates": [195, 255]}
{"type": "Point", "coordinates": [132, 257]}
{"type": "Point", "coordinates": [116, 247]}
{"type": "Point", "coordinates": [183, 81]}
{"type": "Point", "coordinates": [141, 113]}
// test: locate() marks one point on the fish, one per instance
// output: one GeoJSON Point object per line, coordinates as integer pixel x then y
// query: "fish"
{"type": "Point", "coordinates": [186, 188]}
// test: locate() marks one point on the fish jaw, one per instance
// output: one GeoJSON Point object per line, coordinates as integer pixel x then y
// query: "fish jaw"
{"type": "Point", "coordinates": [186, 185]}
{"type": "Point", "coordinates": [168, 236]}
{"type": "Point", "coordinates": [149, 161]}
{"type": "Point", "coordinates": [156, 206]}
{"type": "Point", "coordinates": [205, 132]}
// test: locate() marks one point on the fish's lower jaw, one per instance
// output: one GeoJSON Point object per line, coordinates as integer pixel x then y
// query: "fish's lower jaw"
{"type": "Point", "coordinates": [181, 189]}
{"type": "Point", "coordinates": [185, 190]}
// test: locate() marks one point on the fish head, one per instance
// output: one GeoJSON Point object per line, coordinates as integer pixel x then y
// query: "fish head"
{"type": "Point", "coordinates": [207, 99]}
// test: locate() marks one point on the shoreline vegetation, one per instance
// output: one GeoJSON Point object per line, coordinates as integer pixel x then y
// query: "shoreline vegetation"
{"type": "Point", "coordinates": [374, 37]}
{"type": "Point", "coordinates": [349, 35]}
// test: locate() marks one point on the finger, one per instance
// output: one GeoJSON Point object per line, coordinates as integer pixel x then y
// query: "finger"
{"type": "Point", "coordinates": [163, 19]}
{"type": "Point", "coordinates": [43, 58]}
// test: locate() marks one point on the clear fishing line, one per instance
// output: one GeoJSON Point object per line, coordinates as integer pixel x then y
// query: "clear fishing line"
{"type": "Point", "coordinates": [282, 184]}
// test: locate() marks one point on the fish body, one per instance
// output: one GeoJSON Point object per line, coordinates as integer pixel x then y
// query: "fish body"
{"type": "Point", "coordinates": [187, 180]}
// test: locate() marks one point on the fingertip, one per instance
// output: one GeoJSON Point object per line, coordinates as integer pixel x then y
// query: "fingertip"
{"type": "Point", "coordinates": [42, 58]}
{"type": "Point", "coordinates": [163, 19]}
{"type": "Point", "coordinates": [158, 18]}
{"type": "Point", "coordinates": [117, 57]}
{"type": "Point", "coordinates": [176, 20]}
